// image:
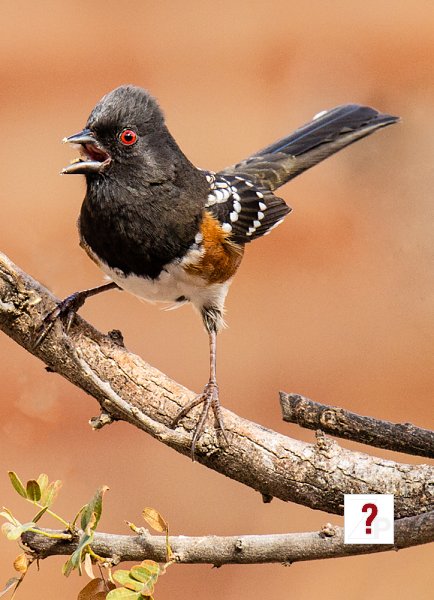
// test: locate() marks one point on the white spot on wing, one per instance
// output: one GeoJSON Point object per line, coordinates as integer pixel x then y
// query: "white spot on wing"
{"type": "Point", "coordinates": [320, 114]}
{"type": "Point", "coordinates": [273, 226]}
{"type": "Point", "coordinates": [227, 227]}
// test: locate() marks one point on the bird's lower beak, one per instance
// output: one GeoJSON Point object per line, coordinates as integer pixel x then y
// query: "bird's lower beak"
{"type": "Point", "coordinates": [94, 159]}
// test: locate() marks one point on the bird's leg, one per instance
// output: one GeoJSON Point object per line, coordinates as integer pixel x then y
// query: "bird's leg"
{"type": "Point", "coordinates": [209, 398]}
{"type": "Point", "coordinates": [67, 309]}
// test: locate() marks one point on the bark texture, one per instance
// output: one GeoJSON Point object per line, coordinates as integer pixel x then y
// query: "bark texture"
{"type": "Point", "coordinates": [127, 388]}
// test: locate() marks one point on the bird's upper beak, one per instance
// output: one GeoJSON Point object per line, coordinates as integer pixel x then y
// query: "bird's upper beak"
{"type": "Point", "coordinates": [94, 159]}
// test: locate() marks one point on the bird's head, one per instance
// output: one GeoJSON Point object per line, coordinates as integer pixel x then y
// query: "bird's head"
{"type": "Point", "coordinates": [122, 131]}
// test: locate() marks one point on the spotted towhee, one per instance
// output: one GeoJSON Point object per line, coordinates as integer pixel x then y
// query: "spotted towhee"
{"type": "Point", "coordinates": [165, 230]}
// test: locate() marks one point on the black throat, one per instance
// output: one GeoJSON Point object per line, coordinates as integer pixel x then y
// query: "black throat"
{"type": "Point", "coordinates": [137, 223]}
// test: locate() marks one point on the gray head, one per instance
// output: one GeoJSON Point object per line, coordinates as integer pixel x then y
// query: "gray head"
{"type": "Point", "coordinates": [126, 107]}
{"type": "Point", "coordinates": [123, 130]}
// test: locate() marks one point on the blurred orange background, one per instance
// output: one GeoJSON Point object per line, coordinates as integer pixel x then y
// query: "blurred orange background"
{"type": "Point", "coordinates": [336, 304]}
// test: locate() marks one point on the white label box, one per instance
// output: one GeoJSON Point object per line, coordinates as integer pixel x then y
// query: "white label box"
{"type": "Point", "coordinates": [368, 519]}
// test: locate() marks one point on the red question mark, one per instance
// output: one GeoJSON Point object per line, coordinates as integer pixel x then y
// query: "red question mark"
{"type": "Point", "coordinates": [371, 517]}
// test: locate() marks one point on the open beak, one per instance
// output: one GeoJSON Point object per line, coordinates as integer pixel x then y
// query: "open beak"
{"type": "Point", "coordinates": [94, 158]}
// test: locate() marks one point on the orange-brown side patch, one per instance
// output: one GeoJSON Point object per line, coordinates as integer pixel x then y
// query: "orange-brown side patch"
{"type": "Point", "coordinates": [221, 257]}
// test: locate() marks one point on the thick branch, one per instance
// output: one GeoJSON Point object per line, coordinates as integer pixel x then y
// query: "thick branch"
{"type": "Point", "coordinates": [243, 549]}
{"type": "Point", "coordinates": [400, 437]}
{"type": "Point", "coordinates": [127, 388]}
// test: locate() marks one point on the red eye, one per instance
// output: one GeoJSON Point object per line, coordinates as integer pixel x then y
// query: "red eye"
{"type": "Point", "coordinates": [128, 137]}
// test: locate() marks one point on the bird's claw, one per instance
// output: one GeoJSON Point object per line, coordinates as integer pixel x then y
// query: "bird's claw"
{"type": "Point", "coordinates": [65, 311]}
{"type": "Point", "coordinates": [210, 399]}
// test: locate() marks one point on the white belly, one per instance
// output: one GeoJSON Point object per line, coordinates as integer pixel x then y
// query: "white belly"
{"type": "Point", "coordinates": [172, 285]}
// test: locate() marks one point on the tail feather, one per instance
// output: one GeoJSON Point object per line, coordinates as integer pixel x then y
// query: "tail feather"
{"type": "Point", "coordinates": [327, 133]}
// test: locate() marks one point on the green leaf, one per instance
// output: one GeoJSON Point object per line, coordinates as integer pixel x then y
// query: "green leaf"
{"type": "Point", "coordinates": [17, 483]}
{"type": "Point", "coordinates": [40, 514]}
{"type": "Point", "coordinates": [92, 511]}
{"type": "Point", "coordinates": [33, 490]}
{"type": "Point", "coordinates": [76, 558]}
{"type": "Point", "coordinates": [50, 494]}
{"type": "Point", "coordinates": [10, 584]}
{"type": "Point", "coordinates": [123, 577]}
{"type": "Point", "coordinates": [147, 572]}
{"type": "Point", "coordinates": [42, 482]}
{"type": "Point", "coordinates": [123, 594]}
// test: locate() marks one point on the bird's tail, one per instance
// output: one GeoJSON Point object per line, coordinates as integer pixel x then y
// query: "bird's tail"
{"type": "Point", "coordinates": [327, 133]}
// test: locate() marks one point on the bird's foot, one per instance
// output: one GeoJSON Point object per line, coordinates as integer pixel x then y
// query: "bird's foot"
{"type": "Point", "coordinates": [210, 399]}
{"type": "Point", "coordinates": [65, 311]}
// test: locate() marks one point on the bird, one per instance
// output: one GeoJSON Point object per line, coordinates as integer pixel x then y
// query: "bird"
{"type": "Point", "coordinates": [167, 231]}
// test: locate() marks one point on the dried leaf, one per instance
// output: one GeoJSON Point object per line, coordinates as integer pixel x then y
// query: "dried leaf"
{"type": "Point", "coordinates": [13, 532]}
{"type": "Point", "coordinates": [49, 496]}
{"type": "Point", "coordinates": [17, 483]}
{"type": "Point", "coordinates": [96, 589]}
{"type": "Point", "coordinates": [7, 528]}
{"type": "Point", "coordinates": [21, 563]}
{"type": "Point", "coordinates": [33, 490]}
{"type": "Point", "coordinates": [6, 514]}
{"type": "Point", "coordinates": [155, 520]}
{"type": "Point", "coordinates": [88, 567]}
{"type": "Point", "coordinates": [10, 584]}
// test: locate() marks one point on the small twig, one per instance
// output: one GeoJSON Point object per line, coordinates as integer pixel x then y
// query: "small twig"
{"type": "Point", "coordinates": [345, 424]}
{"type": "Point", "coordinates": [243, 549]}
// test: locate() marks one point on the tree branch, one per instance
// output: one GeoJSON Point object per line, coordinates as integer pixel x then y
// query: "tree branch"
{"type": "Point", "coordinates": [400, 437]}
{"type": "Point", "coordinates": [127, 388]}
{"type": "Point", "coordinates": [243, 549]}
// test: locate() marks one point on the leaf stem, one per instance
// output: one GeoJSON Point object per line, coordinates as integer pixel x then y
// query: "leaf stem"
{"type": "Point", "coordinates": [60, 536]}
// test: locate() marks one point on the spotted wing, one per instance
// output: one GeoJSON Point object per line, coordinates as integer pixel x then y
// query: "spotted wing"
{"type": "Point", "coordinates": [245, 210]}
